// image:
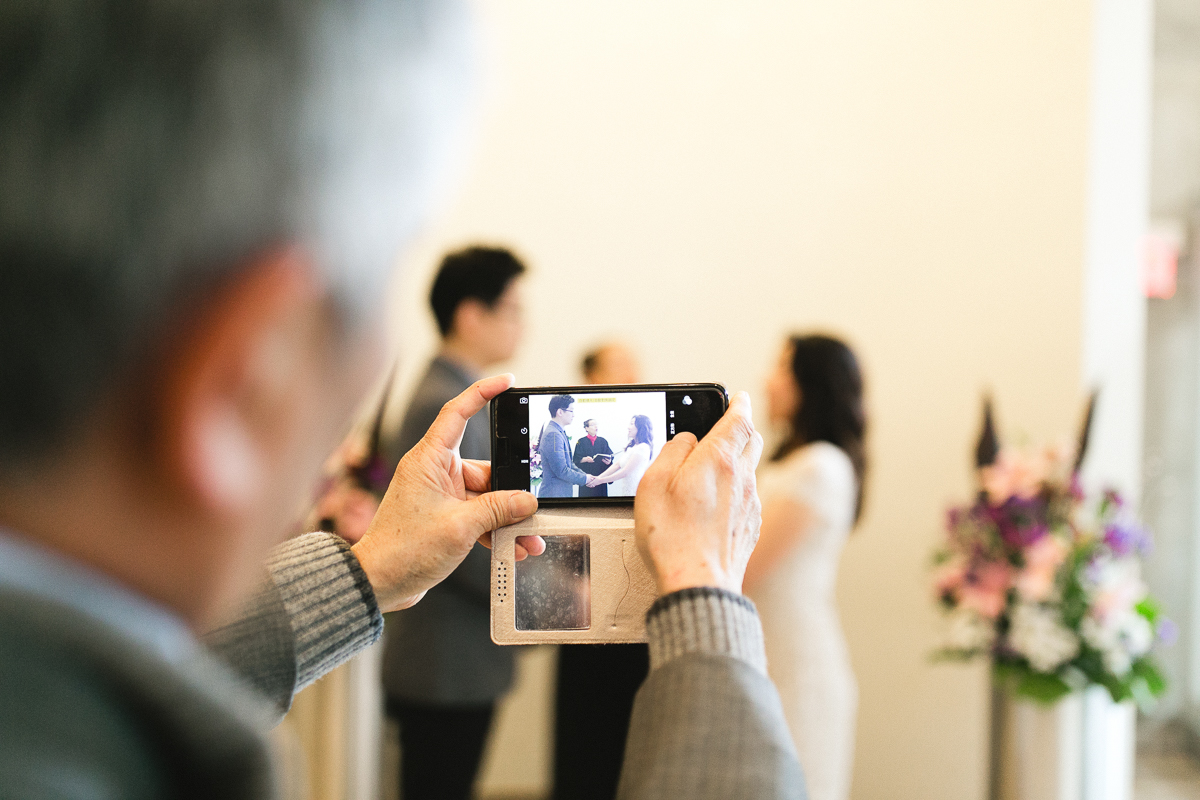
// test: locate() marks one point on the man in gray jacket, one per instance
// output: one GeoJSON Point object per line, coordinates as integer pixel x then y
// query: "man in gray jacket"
{"type": "Point", "coordinates": [442, 674]}
{"type": "Point", "coordinates": [199, 201]}
{"type": "Point", "coordinates": [559, 472]}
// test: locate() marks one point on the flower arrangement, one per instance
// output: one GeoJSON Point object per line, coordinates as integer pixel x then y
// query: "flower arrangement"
{"type": "Point", "coordinates": [1047, 582]}
{"type": "Point", "coordinates": [356, 477]}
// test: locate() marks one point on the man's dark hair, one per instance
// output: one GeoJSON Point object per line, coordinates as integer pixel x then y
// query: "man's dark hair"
{"type": "Point", "coordinates": [475, 273]}
{"type": "Point", "coordinates": [591, 360]}
{"type": "Point", "coordinates": [559, 402]}
{"type": "Point", "coordinates": [587, 422]}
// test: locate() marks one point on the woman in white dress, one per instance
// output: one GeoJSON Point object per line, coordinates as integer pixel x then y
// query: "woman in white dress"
{"type": "Point", "coordinates": [630, 464]}
{"type": "Point", "coordinates": [811, 492]}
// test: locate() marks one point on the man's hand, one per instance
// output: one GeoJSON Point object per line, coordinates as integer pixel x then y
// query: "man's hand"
{"type": "Point", "coordinates": [586, 460]}
{"type": "Point", "coordinates": [697, 514]}
{"type": "Point", "coordinates": [591, 481]}
{"type": "Point", "coordinates": [437, 507]}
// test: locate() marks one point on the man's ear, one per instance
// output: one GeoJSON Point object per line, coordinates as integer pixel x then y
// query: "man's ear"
{"type": "Point", "coordinates": [222, 415]}
{"type": "Point", "coordinates": [468, 319]}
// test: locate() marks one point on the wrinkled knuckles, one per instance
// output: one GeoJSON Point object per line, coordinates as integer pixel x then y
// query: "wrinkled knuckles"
{"type": "Point", "coordinates": [726, 467]}
{"type": "Point", "coordinates": [743, 427]}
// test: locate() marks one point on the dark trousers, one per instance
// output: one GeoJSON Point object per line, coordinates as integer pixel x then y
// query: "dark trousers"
{"type": "Point", "coordinates": [596, 686]}
{"type": "Point", "coordinates": [440, 748]}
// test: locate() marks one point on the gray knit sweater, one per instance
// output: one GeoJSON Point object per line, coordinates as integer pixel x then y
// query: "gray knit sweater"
{"type": "Point", "coordinates": [707, 723]}
{"type": "Point", "coordinates": [320, 592]}
{"type": "Point", "coordinates": [88, 710]}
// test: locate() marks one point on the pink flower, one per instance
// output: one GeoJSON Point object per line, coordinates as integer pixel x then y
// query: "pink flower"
{"type": "Point", "coordinates": [949, 577]}
{"type": "Point", "coordinates": [1022, 474]}
{"type": "Point", "coordinates": [1042, 559]}
{"type": "Point", "coordinates": [1013, 475]}
{"type": "Point", "coordinates": [985, 590]}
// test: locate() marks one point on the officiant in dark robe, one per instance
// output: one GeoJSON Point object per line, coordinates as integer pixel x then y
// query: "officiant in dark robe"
{"type": "Point", "coordinates": [588, 450]}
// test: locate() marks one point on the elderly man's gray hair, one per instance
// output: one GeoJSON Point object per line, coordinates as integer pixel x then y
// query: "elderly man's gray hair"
{"type": "Point", "coordinates": [148, 147]}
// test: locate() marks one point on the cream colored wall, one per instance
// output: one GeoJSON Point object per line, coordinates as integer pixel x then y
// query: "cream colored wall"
{"type": "Point", "coordinates": [703, 177]}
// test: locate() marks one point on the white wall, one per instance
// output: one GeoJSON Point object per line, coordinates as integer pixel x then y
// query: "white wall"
{"type": "Point", "coordinates": [716, 174]}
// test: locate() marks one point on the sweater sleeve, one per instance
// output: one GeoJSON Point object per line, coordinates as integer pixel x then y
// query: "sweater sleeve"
{"type": "Point", "coordinates": [707, 723]}
{"type": "Point", "coordinates": [314, 612]}
{"type": "Point", "coordinates": [706, 621]}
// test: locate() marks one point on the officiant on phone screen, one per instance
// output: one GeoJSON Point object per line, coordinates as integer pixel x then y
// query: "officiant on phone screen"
{"type": "Point", "coordinates": [590, 457]}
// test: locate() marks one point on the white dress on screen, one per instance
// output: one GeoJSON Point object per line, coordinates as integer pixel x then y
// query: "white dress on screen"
{"type": "Point", "coordinates": [806, 651]}
{"type": "Point", "coordinates": [627, 486]}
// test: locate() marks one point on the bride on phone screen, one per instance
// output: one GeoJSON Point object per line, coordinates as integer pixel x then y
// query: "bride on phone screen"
{"type": "Point", "coordinates": [630, 464]}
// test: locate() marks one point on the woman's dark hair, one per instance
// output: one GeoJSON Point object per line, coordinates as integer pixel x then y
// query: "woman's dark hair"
{"type": "Point", "coordinates": [643, 432]}
{"type": "Point", "coordinates": [831, 403]}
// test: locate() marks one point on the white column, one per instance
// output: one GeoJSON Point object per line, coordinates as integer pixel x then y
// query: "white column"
{"type": "Point", "coordinates": [1115, 317]}
{"type": "Point", "coordinates": [1118, 217]}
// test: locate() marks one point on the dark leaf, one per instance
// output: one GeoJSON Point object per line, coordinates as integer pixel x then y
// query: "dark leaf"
{"type": "Point", "coordinates": [1085, 432]}
{"type": "Point", "coordinates": [989, 444]}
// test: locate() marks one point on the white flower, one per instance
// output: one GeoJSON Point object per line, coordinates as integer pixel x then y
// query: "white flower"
{"type": "Point", "coordinates": [969, 631]}
{"type": "Point", "coordinates": [1037, 634]}
{"type": "Point", "coordinates": [1114, 587]}
{"type": "Point", "coordinates": [1139, 635]}
{"type": "Point", "coordinates": [1120, 638]}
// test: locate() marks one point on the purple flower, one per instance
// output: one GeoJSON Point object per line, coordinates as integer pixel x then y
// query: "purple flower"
{"type": "Point", "coordinates": [1020, 522]}
{"type": "Point", "coordinates": [1168, 631]}
{"type": "Point", "coordinates": [1124, 537]}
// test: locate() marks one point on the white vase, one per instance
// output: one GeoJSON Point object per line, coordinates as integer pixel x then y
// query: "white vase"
{"type": "Point", "coordinates": [1109, 744]}
{"type": "Point", "coordinates": [1080, 748]}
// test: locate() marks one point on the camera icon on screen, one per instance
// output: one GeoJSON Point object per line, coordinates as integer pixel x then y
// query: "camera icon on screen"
{"type": "Point", "coordinates": [524, 401]}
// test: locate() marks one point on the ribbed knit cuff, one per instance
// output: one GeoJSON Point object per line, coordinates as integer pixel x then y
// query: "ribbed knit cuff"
{"type": "Point", "coordinates": [708, 621]}
{"type": "Point", "coordinates": [329, 601]}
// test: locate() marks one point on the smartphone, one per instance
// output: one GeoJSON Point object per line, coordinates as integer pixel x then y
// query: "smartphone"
{"type": "Point", "coordinates": [577, 445]}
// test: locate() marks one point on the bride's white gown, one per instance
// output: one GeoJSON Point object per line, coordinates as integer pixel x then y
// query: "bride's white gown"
{"type": "Point", "coordinates": [627, 486]}
{"type": "Point", "coordinates": [806, 652]}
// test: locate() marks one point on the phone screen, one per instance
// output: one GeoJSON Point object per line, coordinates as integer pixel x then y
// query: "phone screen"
{"type": "Point", "coordinates": [573, 444]}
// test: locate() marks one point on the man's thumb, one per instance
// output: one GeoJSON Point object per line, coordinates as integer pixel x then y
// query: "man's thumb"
{"type": "Point", "coordinates": [493, 510]}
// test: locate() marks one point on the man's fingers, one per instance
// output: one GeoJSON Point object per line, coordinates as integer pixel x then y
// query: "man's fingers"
{"type": "Point", "coordinates": [735, 429]}
{"type": "Point", "coordinates": [531, 545]}
{"type": "Point", "coordinates": [752, 454]}
{"type": "Point", "coordinates": [477, 475]}
{"type": "Point", "coordinates": [671, 458]}
{"type": "Point", "coordinates": [523, 546]}
{"type": "Point", "coordinates": [493, 510]}
{"type": "Point", "coordinates": [447, 429]}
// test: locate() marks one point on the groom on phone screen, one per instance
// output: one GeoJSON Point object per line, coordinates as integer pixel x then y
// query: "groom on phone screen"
{"type": "Point", "coordinates": [559, 472]}
{"type": "Point", "coordinates": [588, 457]}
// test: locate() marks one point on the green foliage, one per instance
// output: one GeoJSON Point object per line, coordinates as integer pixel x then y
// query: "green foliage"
{"type": "Point", "coordinates": [954, 654]}
{"type": "Point", "coordinates": [1149, 609]}
{"type": "Point", "coordinates": [1144, 683]}
{"type": "Point", "coordinates": [1023, 681]}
